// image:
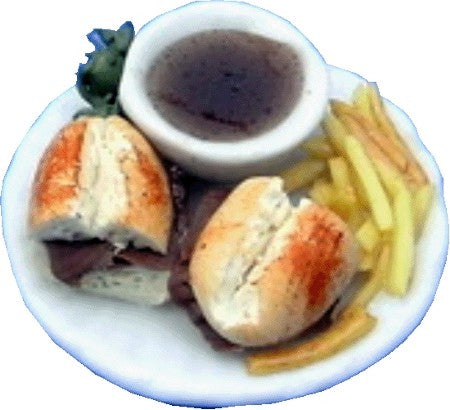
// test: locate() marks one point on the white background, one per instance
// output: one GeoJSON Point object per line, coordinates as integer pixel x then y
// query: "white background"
{"type": "Point", "coordinates": [402, 45]}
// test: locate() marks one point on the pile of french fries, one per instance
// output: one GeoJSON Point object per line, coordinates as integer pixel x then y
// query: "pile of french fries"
{"type": "Point", "coordinates": [362, 169]}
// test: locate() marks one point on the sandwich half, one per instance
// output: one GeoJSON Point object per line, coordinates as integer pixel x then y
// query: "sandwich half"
{"type": "Point", "coordinates": [263, 271]}
{"type": "Point", "coordinates": [101, 190]}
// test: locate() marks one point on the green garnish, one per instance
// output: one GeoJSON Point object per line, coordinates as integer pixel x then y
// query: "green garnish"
{"type": "Point", "coordinates": [98, 80]}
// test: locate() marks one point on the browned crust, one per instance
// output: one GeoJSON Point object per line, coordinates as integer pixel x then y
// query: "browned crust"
{"type": "Point", "coordinates": [56, 181]}
{"type": "Point", "coordinates": [221, 236]}
{"type": "Point", "coordinates": [314, 255]}
{"type": "Point", "coordinates": [56, 185]}
{"type": "Point", "coordinates": [311, 272]}
{"type": "Point", "coordinates": [150, 210]}
{"type": "Point", "coordinates": [303, 282]}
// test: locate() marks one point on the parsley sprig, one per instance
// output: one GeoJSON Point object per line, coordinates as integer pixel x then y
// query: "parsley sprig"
{"type": "Point", "coordinates": [98, 79]}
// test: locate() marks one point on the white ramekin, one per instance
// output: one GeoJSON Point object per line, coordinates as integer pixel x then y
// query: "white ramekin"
{"type": "Point", "coordinates": [223, 160]}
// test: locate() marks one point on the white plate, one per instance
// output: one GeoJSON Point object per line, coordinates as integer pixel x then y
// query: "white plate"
{"type": "Point", "coordinates": [157, 352]}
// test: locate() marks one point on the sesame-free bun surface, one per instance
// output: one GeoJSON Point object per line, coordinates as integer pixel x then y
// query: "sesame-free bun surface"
{"type": "Point", "coordinates": [264, 271]}
{"type": "Point", "coordinates": [100, 178]}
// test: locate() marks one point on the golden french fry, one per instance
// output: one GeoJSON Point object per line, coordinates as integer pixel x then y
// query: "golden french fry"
{"type": "Point", "coordinates": [361, 100]}
{"type": "Point", "coordinates": [415, 174]}
{"type": "Point", "coordinates": [322, 192]}
{"type": "Point", "coordinates": [377, 132]}
{"type": "Point", "coordinates": [357, 218]}
{"type": "Point", "coordinates": [368, 177]}
{"type": "Point", "coordinates": [397, 279]}
{"type": "Point", "coordinates": [349, 327]}
{"type": "Point", "coordinates": [336, 132]}
{"type": "Point", "coordinates": [353, 128]}
{"type": "Point", "coordinates": [392, 180]}
{"type": "Point", "coordinates": [302, 174]}
{"type": "Point", "coordinates": [375, 282]}
{"type": "Point", "coordinates": [382, 118]}
{"type": "Point", "coordinates": [368, 236]}
{"type": "Point", "coordinates": [359, 132]}
{"type": "Point", "coordinates": [358, 189]}
{"type": "Point", "coordinates": [397, 157]}
{"type": "Point", "coordinates": [423, 198]}
{"type": "Point", "coordinates": [341, 108]}
{"type": "Point", "coordinates": [343, 203]}
{"type": "Point", "coordinates": [366, 262]}
{"type": "Point", "coordinates": [339, 173]}
{"type": "Point", "coordinates": [318, 147]}
{"type": "Point", "coordinates": [343, 179]}
{"type": "Point", "coordinates": [414, 171]}
{"type": "Point", "coordinates": [365, 125]}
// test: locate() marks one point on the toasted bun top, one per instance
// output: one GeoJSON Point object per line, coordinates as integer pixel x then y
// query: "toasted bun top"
{"type": "Point", "coordinates": [101, 178]}
{"type": "Point", "coordinates": [56, 181]}
{"type": "Point", "coordinates": [263, 271]}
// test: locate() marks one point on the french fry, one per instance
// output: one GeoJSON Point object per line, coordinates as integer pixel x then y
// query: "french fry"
{"type": "Point", "coordinates": [341, 108]}
{"type": "Point", "coordinates": [415, 174]}
{"type": "Point", "coordinates": [336, 132]}
{"type": "Point", "coordinates": [318, 147]}
{"type": "Point", "coordinates": [350, 327]}
{"type": "Point", "coordinates": [368, 236]}
{"type": "Point", "coordinates": [414, 171]}
{"type": "Point", "coordinates": [302, 174]}
{"type": "Point", "coordinates": [398, 158]}
{"type": "Point", "coordinates": [358, 189]}
{"type": "Point", "coordinates": [423, 198]}
{"type": "Point", "coordinates": [339, 173]}
{"type": "Point", "coordinates": [397, 279]}
{"type": "Point", "coordinates": [392, 180]}
{"type": "Point", "coordinates": [361, 100]}
{"type": "Point", "coordinates": [359, 132]}
{"type": "Point", "coordinates": [343, 203]}
{"type": "Point", "coordinates": [366, 262]}
{"type": "Point", "coordinates": [375, 282]}
{"type": "Point", "coordinates": [356, 218]}
{"type": "Point", "coordinates": [354, 128]}
{"type": "Point", "coordinates": [368, 177]}
{"type": "Point", "coordinates": [405, 226]}
{"type": "Point", "coordinates": [382, 131]}
{"type": "Point", "coordinates": [373, 137]}
{"type": "Point", "coordinates": [343, 178]}
{"type": "Point", "coordinates": [382, 118]}
{"type": "Point", "coordinates": [322, 192]}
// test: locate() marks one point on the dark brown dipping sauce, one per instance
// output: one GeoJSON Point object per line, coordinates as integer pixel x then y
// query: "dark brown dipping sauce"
{"type": "Point", "coordinates": [225, 85]}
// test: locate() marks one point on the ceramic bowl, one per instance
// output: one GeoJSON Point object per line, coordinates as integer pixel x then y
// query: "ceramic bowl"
{"type": "Point", "coordinates": [261, 154]}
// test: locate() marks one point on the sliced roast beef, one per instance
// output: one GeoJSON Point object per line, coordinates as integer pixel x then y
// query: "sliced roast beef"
{"type": "Point", "coordinates": [200, 200]}
{"type": "Point", "coordinates": [70, 260]}
{"type": "Point", "coordinates": [198, 209]}
{"type": "Point", "coordinates": [145, 258]}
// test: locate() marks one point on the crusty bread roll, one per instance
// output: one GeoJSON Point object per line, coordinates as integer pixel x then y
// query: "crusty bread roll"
{"type": "Point", "coordinates": [263, 271]}
{"type": "Point", "coordinates": [100, 178]}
